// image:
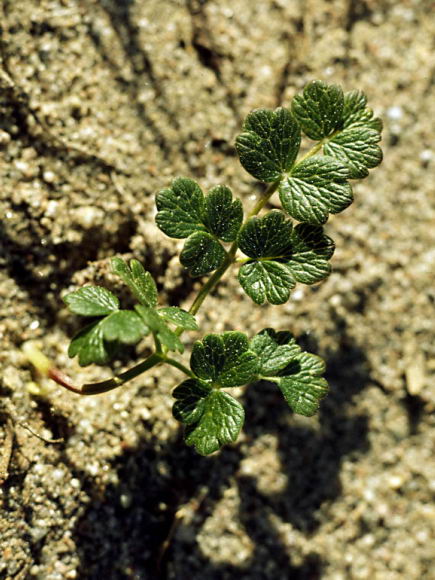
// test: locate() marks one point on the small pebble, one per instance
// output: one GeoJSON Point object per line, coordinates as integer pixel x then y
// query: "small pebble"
{"type": "Point", "coordinates": [395, 481]}
{"type": "Point", "coordinates": [426, 155]}
{"type": "Point", "coordinates": [5, 138]}
{"type": "Point", "coordinates": [49, 176]}
{"type": "Point", "coordinates": [395, 113]}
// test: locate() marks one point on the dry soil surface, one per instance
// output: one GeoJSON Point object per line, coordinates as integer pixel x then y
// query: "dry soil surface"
{"type": "Point", "coordinates": [102, 102]}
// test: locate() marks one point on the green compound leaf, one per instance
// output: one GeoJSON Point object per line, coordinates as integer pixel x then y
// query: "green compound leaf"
{"type": "Point", "coordinates": [223, 216]}
{"type": "Point", "coordinates": [224, 360]}
{"type": "Point", "coordinates": [140, 282]}
{"type": "Point", "coordinates": [281, 256]}
{"type": "Point", "coordinates": [213, 417]}
{"type": "Point", "coordinates": [311, 250]}
{"type": "Point", "coordinates": [275, 350]}
{"type": "Point", "coordinates": [202, 254]}
{"type": "Point", "coordinates": [91, 301]}
{"type": "Point", "coordinates": [97, 342]}
{"type": "Point", "coordinates": [357, 114]}
{"type": "Point", "coordinates": [266, 237]}
{"type": "Point", "coordinates": [157, 325]}
{"type": "Point", "coordinates": [183, 210]}
{"type": "Point", "coordinates": [269, 143]}
{"type": "Point", "coordinates": [319, 109]}
{"type": "Point", "coordinates": [345, 123]}
{"type": "Point", "coordinates": [315, 188]}
{"type": "Point", "coordinates": [302, 383]}
{"type": "Point", "coordinates": [180, 208]}
{"type": "Point", "coordinates": [190, 398]}
{"type": "Point", "coordinates": [356, 147]}
{"type": "Point", "coordinates": [355, 144]}
{"type": "Point", "coordinates": [266, 280]}
{"type": "Point", "coordinates": [178, 316]}
{"type": "Point", "coordinates": [185, 213]}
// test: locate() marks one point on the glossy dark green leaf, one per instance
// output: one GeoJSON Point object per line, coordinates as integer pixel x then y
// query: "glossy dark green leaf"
{"type": "Point", "coordinates": [266, 280]}
{"type": "Point", "coordinates": [269, 143]}
{"type": "Point", "coordinates": [302, 383]}
{"type": "Point", "coordinates": [178, 316]}
{"type": "Point", "coordinates": [91, 301]}
{"type": "Point", "coordinates": [357, 148]}
{"type": "Point", "coordinates": [140, 282]}
{"type": "Point", "coordinates": [223, 216]}
{"type": "Point", "coordinates": [190, 400]}
{"type": "Point", "coordinates": [224, 360]}
{"type": "Point", "coordinates": [311, 250]}
{"type": "Point", "coordinates": [202, 254]}
{"type": "Point", "coordinates": [183, 212]}
{"type": "Point", "coordinates": [275, 350]}
{"type": "Point", "coordinates": [268, 236]}
{"type": "Point", "coordinates": [180, 208]}
{"type": "Point", "coordinates": [319, 109]}
{"type": "Point", "coordinates": [157, 326]}
{"type": "Point", "coordinates": [356, 144]}
{"type": "Point", "coordinates": [268, 240]}
{"type": "Point", "coordinates": [281, 256]}
{"type": "Point", "coordinates": [213, 417]}
{"type": "Point", "coordinates": [315, 188]}
{"type": "Point", "coordinates": [356, 113]}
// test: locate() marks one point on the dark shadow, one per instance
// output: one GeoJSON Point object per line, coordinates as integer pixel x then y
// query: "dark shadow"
{"type": "Point", "coordinates": [123, 532]}
{"type": "Point", "coordinates": [59, 425]}
{"type": "Point", "coordinates": [357, 11]}
{"type": "Point", "coordinates": [22, 261]}
{"type": "Point", "coordinates": [414, 406]}
{"type": "Point", "coordinates": [127, 33]}
{"type": "Point", "coordinates": [142, 534]}
{"type": "Point", "coordinates": [207, 52]}
{"type": "Point", "coordinates": [23, 255]}
{"type": "Point", "coordinates": [311, 458]}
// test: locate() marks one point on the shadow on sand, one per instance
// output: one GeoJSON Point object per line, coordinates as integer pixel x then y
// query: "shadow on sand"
{"type": "Point", "coordinates": [118, 542]}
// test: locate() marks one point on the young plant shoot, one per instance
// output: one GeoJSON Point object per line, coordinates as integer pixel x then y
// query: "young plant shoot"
{"type": "Point", "coordinates": [271, 252]}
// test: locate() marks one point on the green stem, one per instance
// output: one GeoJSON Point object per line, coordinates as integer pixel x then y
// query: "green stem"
{"type": "Point", "coordinates": [215, 278]}
{"type": "Point", "coordinates": [311, 152]}
{"type": "Point", "coordinates": [105, 386]}
{"type": "Point", "coordinates": [157, 343]}
{"type": "Point", "coordinates": [160, 356]}
{"type": "Point", "coordinates": [179, 366]}
{"type": "Point", "coordinates": [210, 284]}
{"type": "Point", "coordinates": [316, 148]}
{"type": "Point", "coordinates": [152, 361]}
{"type": "Point", "coordinates": [263, 200]}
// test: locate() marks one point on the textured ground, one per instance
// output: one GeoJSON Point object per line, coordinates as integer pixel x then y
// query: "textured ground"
{"type": "Point", "coordinates": [102, 102]}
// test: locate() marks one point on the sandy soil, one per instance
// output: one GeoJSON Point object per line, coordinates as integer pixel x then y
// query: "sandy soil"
{"type": "Point", "coordinates": [102, 102]}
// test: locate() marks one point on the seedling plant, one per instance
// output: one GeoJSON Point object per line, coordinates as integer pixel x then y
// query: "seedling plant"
{"type": "Point", "coordinates": [271, 252]}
